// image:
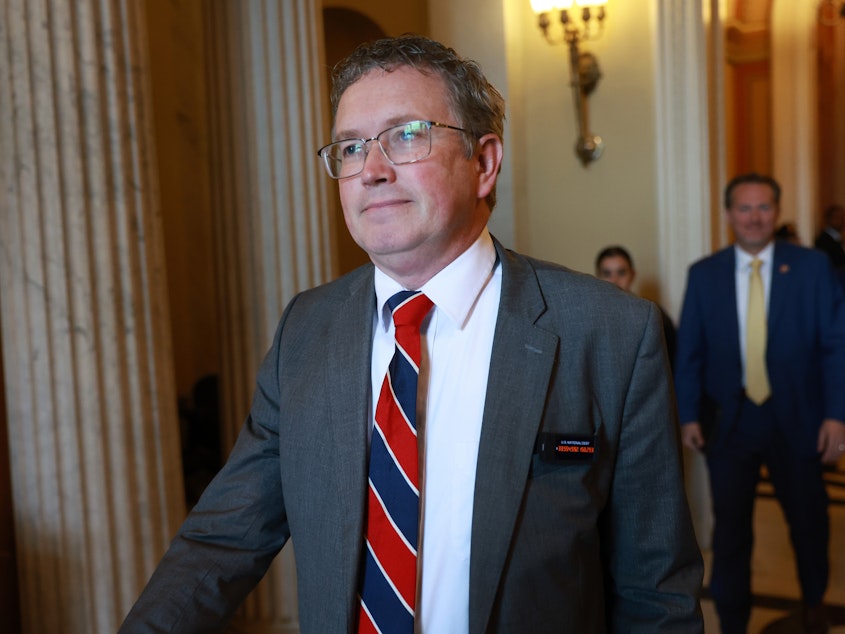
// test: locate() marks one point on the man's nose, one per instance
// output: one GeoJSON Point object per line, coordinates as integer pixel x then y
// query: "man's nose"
{"type": "Point", "coordinates": [376, 165]}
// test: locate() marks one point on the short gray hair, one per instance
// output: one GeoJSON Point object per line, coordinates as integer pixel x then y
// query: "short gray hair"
{"type": "Point", "coordinates": [478, 105]}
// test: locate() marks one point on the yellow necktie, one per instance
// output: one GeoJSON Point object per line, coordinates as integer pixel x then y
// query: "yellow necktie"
{"type": "Point", "coordinates": [756, 378]}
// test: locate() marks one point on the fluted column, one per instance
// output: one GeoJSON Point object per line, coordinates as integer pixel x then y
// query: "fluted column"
{"type": "Point", "coordinates": [272, 212]}
{"type": "Point", "coordinates": [794, 103]}
{"type": "Point", "coordinates": [684, 139]}
{"type": "Point", "coordinates": [92, 419]}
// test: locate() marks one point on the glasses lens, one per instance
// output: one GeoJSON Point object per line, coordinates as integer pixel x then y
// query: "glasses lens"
{"type": "Point", "coordinates": [406, 143]}
{"type": "Point", "coordinates": [344, 158]}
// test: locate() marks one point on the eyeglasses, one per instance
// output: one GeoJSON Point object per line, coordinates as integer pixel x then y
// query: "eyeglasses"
{"type": "Point", "coordinates": [402, 144]}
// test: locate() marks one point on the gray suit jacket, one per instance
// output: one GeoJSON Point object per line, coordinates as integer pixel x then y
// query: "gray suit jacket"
{"type": "Point", "coordinates": [594, 545]}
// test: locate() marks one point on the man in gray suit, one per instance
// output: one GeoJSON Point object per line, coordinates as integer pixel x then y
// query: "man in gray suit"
{"type": "Point", "coordinates": [551, 494]}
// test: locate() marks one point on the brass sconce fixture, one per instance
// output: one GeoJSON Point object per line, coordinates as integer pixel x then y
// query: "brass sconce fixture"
{"type": "Point", "coordinates": [830, 11]}
{"type": "Point", "coordinates": [580, 21]}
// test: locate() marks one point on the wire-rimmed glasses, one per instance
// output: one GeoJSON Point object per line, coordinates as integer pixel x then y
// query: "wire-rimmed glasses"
{"type": "Point", "coordinates": [401, 144]}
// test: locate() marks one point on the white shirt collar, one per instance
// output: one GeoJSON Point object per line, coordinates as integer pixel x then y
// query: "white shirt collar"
{"type": "Point", "coordinates": [744, 258]}
{"type": "Point", "coordinates": [454, 289]}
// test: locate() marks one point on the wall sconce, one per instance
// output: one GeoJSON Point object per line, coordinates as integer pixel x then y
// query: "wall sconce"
{"type": "Point", "coordinates": [830, 11]}
{"type": "Point", "coordinates": [584, 73]}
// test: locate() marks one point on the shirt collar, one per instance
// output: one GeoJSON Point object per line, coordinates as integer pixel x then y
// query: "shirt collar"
{"type": "Point", "coordinates": [744, 258]}
{"type": "Point", "coordinates": [454, 289]}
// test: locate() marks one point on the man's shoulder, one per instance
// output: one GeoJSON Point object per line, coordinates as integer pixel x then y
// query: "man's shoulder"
{"type": "Point", "coordinates": [569, 289]}
{"type": "Point", "coordinates": [336, 292]}
{"type": "Point", "coordinates": [722, 257]}
{"type": "Point", "coordinates": [552, 273]}
{"type": "Point", "coordinates": [797, 254]}
{"type": "Point", "coordinates": [351, 281]}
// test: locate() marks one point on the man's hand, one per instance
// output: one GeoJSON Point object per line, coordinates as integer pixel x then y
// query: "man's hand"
{"type": "Point", "coordinates": [691, 436]}
{"type": "Point", "coordinates": [831, 443]}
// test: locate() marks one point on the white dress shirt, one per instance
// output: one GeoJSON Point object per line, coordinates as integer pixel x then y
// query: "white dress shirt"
{"type": "Point", "coordinates": [743, 271]}
{"type": "Point", "coordinates": [458, 335]}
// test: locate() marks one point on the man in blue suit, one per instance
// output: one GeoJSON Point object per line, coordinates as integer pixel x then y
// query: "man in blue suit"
{"type": "Point", "coordinates": [793, 424]}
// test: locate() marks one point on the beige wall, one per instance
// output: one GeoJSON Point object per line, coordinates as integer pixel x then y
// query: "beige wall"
{"type": "Point", "coordinates": [575, 211]}
{"type": "Point", "coordinates": [560, 210]}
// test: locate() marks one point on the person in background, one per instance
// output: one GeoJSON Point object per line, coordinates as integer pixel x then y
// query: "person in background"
{"type": "Point", "coordinates": [829, 239]}
{"type": "Point", "coordinates": [615, 265]}
{"type": "Point", "coordinates": [542, 425]}
{"type": "Point", "coordinates": [759, 373]}
{"type": "Point", "coordinates": [787, 231]}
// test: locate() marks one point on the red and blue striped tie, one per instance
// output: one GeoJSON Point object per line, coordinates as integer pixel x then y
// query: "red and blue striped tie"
{"type": "Point", "coordinates": [388, 588]}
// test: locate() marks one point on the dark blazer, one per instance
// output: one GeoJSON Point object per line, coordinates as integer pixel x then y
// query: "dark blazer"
{"type": "Point", "coordinates": [833, 248]}
{"type": "Point", "coordinates": [604, 544]}
{"type": "Point", "coordinates": [805, 351]}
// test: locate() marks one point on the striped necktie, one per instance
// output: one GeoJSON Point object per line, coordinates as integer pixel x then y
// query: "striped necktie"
{"type": "Point", "coordinates": [756, 377]}
{"type": "Point", "coordinates": [388, 587]}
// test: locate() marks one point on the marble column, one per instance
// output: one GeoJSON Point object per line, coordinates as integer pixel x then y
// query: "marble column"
{"type": "Point", "coordinates": [795, 120]}
{"type": "Point", "coordinates": [273, 215]}
{"type": "Point", "coordinates": [684, 138]}
{"type": "Point", "coordinates": [93, 429]}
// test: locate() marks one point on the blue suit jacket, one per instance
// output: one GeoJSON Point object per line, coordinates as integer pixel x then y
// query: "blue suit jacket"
{"type": "Point", "coordinates": [805, 352]}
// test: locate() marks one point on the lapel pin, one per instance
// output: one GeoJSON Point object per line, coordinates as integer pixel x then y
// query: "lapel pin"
{"type": "Point", "coordinates": [784, 268]}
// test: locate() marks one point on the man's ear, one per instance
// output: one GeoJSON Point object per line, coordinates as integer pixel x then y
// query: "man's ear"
{"type": "Point", "coordinates": [489, 162]}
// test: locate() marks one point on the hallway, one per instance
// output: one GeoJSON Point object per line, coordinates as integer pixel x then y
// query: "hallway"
{"type": "Point", "coordinates": [775, 585]}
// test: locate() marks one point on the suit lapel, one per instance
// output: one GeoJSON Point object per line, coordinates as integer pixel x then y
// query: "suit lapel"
{"type": "Point", "coordinates": [520, 370]}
